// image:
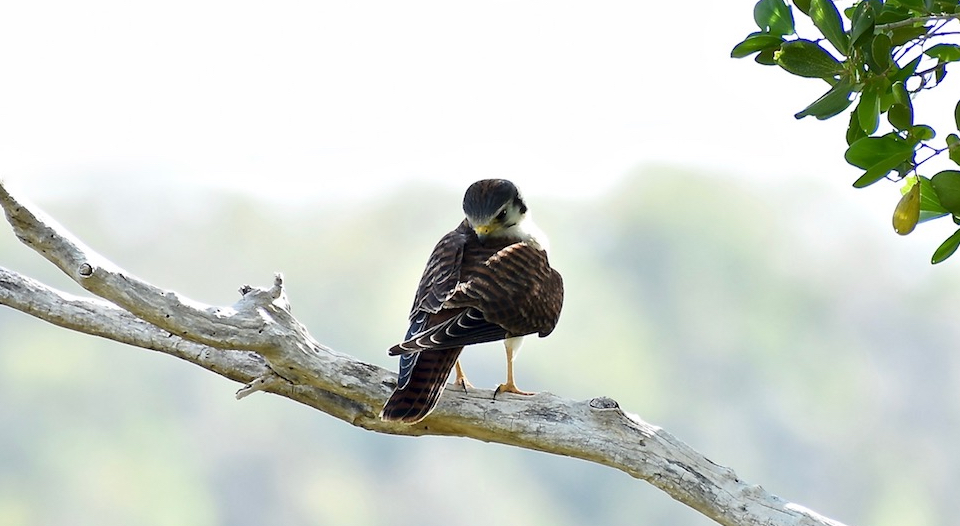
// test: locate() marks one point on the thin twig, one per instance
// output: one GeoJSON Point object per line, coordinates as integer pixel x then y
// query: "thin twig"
{"type": "Point", "coordinates": [911, 21]}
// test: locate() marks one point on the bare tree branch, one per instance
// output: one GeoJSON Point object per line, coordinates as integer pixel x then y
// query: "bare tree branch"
{"type": "Point", "coordinates": [258, 342]}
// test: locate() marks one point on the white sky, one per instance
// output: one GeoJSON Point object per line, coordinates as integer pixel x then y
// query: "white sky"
{"type": "Point", "coordinates": [315, 98]}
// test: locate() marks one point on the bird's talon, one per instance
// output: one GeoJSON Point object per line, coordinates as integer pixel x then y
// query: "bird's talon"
{"type": "Point", "coordinates": [510, 388]}
{"type": "Point", "coordinates": [463, 383]}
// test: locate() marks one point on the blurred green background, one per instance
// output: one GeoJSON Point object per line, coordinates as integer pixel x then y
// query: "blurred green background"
{"type": "Point", "coordinates": [776, 331]}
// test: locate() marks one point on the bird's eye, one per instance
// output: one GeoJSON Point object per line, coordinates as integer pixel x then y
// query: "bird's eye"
{"type": "Point", "coordinates": [502, 215]}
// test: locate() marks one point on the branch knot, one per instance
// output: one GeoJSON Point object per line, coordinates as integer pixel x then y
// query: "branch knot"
{"type": "Point", "coordinates": [604, 403]}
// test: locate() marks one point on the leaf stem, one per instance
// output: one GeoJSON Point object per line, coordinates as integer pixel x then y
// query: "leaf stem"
{"type": "Point", "coordinates": [936, 152]}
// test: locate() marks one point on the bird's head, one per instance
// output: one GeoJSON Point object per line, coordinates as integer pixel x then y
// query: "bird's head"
{"type": "Point", "coordinates": [494, 208]}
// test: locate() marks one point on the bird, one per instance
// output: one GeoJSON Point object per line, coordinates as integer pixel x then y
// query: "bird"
{"type": "Point", "coordinates": [489, 279]}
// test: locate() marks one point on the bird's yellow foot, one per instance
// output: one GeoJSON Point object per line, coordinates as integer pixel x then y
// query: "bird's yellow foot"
{"type": "Point", "coordinates": [510, 387]}
{"type": "Point", "coordinates": [461, 378]}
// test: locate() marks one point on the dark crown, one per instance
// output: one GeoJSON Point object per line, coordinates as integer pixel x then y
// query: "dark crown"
{"type": "Point", "coordinates": [484, 198]}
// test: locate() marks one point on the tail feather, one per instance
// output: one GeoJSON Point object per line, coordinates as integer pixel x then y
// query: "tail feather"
{"type": "Point", "coordinates": [413, 400]}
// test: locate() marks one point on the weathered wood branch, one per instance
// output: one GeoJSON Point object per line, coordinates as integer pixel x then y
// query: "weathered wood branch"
{"type": "Point", "coordinates": [259, 343]}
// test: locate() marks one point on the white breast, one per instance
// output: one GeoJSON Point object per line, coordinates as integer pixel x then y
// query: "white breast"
{"type": "Point", "coordinates": [528, 231]}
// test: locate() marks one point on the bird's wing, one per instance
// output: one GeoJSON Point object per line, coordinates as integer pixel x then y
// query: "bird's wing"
{"type": "Point", "coordinates": [465, 327]}
{"type": "Point", "coordinates": [514, 292]}
{"type": "Point", "coordinates": [516, 289]}
{"type": "Point", "coordinates": [440, 278]}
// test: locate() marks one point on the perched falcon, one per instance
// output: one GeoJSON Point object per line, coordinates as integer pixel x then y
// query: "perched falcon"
{"type": "Point", "coordinates": [487, 280]}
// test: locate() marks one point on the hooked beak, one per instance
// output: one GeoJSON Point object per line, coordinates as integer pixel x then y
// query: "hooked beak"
{"type": "Point", "coordinates": [483, 232]}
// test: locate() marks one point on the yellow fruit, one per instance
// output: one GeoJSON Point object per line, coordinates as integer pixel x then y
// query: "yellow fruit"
{"type": "Point", "coordinates": [907, 213]}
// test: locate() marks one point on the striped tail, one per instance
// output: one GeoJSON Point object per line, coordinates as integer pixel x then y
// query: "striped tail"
{"type": "Point", "coordinates": [420, 386]}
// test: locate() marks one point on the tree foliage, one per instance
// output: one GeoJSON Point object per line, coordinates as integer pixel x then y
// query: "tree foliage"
{"type": "Point", "coordinates": [881, 55]}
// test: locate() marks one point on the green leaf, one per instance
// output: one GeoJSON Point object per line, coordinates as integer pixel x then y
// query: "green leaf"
{"type": "Point", "coordinates": [765, 57]}
{"type": "Point", "coordinates": [902, 35]}
{"type": "Point", "coordinates": [956, 114]}
{"type": "Point", "coordinates": [827, 19]}
{"type": "Point", "coordinates": [930, 207]}
{"type": "Point", "coordinates": [774, 16]}
{"type": "Point", "coordinates": [869, 151]}
{"type": "Point", "coordinates": [940, 72]}
{"type": "Point", "coordinates": [854, 131]}
{"type": "Point", "coordinates": [946, 249]}
{"type": "Point", "coordinates": [803, 6]}
{"type": "Point", "coordinates": [868, 111]}
{"type": "Point", "coordinates": [953, 143]}
{"type": "Point", "coordinates": [947, 186]}
{"type": "Point", "coordinates": [921, 132]}
{"type": "Point", "coordinates": [830, 103]}
{"type": "Point", "coordinates": [879, 171]}
{"type": "Point", "coordinates": [944, 52]}
{"type": "Point", "coordinates": [900, 95]}
{"type": "Point", "coordinates": [863, 21]}
{"type": "Point", "coordinates": [807, 59]}
{"type": "Point", "coordinates": [928, 216]}
{"type": "Point", "coordinates": [912, 4]}
{"type": "Point", "coordinates": [900, 116]}
{"type": "Point", "coordinates": [886, 99]}
{"type": "Point", "coordinates": [907, 71]}
{"type": "Point", "coordinates": [878, 156]}
{"type": "Point", "coordinates": [892, 12]}
{"type": "Point", "coordinates": [756, 42]}
{"type": "Point", "coordinates": [880, 52]}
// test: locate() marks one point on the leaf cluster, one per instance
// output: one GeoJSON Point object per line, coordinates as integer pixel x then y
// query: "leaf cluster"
{"type": "Point", "coordinates": [881, 55]}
